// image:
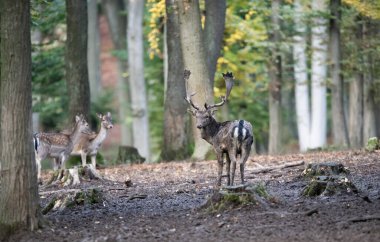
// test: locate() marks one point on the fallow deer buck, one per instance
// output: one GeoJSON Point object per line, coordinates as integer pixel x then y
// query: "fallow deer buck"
{"type": "Point", "coordinates": [58, 145]}
{"type": "Point", "coordinates": [90, 144]}
{"type": "Point", "coordinates": [231, 138]}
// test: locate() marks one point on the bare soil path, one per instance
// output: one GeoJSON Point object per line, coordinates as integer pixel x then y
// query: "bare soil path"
{"type": "Point", "coordinates": [163, 204]}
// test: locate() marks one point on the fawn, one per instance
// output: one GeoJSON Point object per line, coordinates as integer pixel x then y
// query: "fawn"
{"type": "Point", "coordinates": [231, 138]}
{"type": "Point", "coordinates": [90, 144]}
{"type": "Point", "coordinates": [58, 145]}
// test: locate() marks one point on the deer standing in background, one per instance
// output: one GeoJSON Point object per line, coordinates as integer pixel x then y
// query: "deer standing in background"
{"type": "Point", "coordinates": [231, 138]}
{"type": "Point", "coordinates": [90, 144]}
{"type": "Point", "coordinates": [58, 145]}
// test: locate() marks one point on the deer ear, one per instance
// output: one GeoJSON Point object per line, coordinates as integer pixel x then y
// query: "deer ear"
{"type": "Point", "coordinates": [206, 106]}
{"type": "Point", "coordinates": [99, 115]}
{"type": "Point", "coordinates": [77, 118]}
{"type": "Point", "coordinates": [108, 114]}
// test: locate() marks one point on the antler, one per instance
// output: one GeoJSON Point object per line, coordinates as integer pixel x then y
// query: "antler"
{"type": "Point", "coordinates": [229, 79]}
{"type": "Point", "coordinates": [216, 104]}
{"type": "Point", "coordinates": [186, 75]}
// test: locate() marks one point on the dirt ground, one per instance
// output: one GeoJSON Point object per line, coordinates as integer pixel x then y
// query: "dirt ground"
{"type": "Point", "coordinates": [163, 204]}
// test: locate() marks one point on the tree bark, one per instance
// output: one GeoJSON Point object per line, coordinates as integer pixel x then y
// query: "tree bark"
{"type": "Point", "coordinates": [339, 124]}
{"type": "Point", "coordinates": [300, 75]}
{"type": "Point", "coordinates": [176, 120]}
{"type": "Point", "coordinates": [19, 208]}
{"type": "Point", "coordinates": [275, 73]}
{"type": "Point", "coordinates": [93, 47]}
{"type": "Point", "coordinates": [369, 119]}
{"type": "Point", "coordinates": [213, 33]}
{"type": "Point", "coordinates": [136, 77]}
{"type": "Point", "coordinates": [118, 26]}
{"type": "Point", "coordinates": [76, 59]}
{"type": "Point", "coordinates": [194, 60]}
{"type": "Point", "coordinates": [318, 77]}
{"type": "Point", "coordinates": [356, 96]}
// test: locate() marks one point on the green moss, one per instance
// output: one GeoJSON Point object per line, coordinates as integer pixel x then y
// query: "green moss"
{"type": "Point", "coordinates": [372, 144]}
{"type": "Point", "coordinates": [261, 191]}
{"type": "Point", "coordinates": [315, 188]}
{"type": "Point", "coordinates": [94, 196]}
{"type": "Point", "coordinates": [49, 206]}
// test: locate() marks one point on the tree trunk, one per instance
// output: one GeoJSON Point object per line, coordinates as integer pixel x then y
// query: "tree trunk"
{"type": "Point", "coordinates": [194, 60]}
{"type": "Point", "coordinates": [339, 124]}
{"type": "Point", "coordinates": [356, 95]}
{"type": "Point", "coordinates": [118, 26]}
{"type": "Point", "coordinates": [369, 120]}
{"type": "Point", "coordinates": [318, 77]}
{"type": "Point", "coordinates": [93, 54]}
{"type": "Point", "coordinates": [176, 120]}
{"type": "Point", "coordinates": [300, 75]}
{"type": "Point", "coordinates": [76, 59]}
{"type": "Point", "coordinates": [213, 33]}
{"type": "Point", "coordinates": [275, 73]}
{"type": "Point", "coordinates": [136, 77]}
{"type": "Point", "coordinates": [19, 208]}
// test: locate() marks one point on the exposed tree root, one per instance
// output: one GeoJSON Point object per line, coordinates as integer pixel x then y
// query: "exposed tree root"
{"type": "Point", "coordinates": [271, 168]}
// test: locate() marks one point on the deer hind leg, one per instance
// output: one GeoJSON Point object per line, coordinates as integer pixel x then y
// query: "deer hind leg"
{"type": "Point", "coordinates": [232, 156]}
{"type": "Point", "coordinates": [219, 157]}
{"type": "Point", "coordinates": [56, 164]}
{"type": "Point", "coordinates": [228, 169]}
{"type": "Point", "coordinates": [243, 159]}
{"type": "Point", "coordinates": [38, 164]}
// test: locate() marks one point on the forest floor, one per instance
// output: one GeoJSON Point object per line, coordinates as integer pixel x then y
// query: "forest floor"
{"type": "Point", "coordinates": [162, 202]}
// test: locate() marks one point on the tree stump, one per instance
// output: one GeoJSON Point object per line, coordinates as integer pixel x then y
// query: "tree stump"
{"type": "Point", "coordinates": [129, 155]}
{"type": "Point", "coordinates": [327, 179]}
{"type": "Point", "coordinates": [62, 199]}
{"type": "Point", "coordinates": [229, 197]}
{"type": "Point", "coordinates": [372, 144]}
{"type": "Point", "coordinates": [73, 176]}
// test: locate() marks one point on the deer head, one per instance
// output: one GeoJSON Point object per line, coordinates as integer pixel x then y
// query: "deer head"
{"type": "Point", "coordinates": [205, 116]}
{"type": "Point", "coordinates": [81, 125]}
{"type": "Point", "coordinates": [106, 120]}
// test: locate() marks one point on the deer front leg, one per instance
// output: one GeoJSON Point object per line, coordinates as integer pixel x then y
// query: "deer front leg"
{"type": "Point", "coordinates": [83, 157]}
{"type": "Point", "coordinates": [219, 157]}
{"type": "Point", "coordinates": [93, 161]}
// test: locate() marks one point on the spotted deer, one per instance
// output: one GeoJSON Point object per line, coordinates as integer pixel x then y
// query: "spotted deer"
{"type": "Point", "coordinates": [230, 138]}
{"type": "Point", "coordinates": [58, 145]}
{"type": "Point", "coordinates": [90, 144]}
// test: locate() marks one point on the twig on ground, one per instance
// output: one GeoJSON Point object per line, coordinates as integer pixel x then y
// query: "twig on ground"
{"type": "Point", "coordinates": [271, 168]}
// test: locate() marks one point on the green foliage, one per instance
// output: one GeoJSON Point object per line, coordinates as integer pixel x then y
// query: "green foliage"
{"type": "Point", "coordinates": [49, 90]}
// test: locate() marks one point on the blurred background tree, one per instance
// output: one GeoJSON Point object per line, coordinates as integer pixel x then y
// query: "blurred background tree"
{"type": "Point", "coordinates": [246, 50]}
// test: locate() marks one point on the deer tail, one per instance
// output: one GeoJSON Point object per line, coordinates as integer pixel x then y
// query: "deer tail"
{"type": "Point", "coordinates": [240, 132]}
{"type": "Point", "coordinates": [36, 141]}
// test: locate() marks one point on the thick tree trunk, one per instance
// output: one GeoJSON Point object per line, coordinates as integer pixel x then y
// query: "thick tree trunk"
{"type": "Point", "coordinates": [275, 73]}
{"type": "Point", "coordinates": [356, 97]}
{"type": "Point", "coordinates": [136, 77]}
{"type": "Point", "coordinates": [76, 59]}
{"type": "Point", "coordinates": [194, 60]}
{"type": "Point", "coordinates": [93, 47]}
{"type": "Point", "coordinates": [339, 124]}
{"type": "Point", "coordinates": [118, 26]}
{"type": "Point", "coordinates": [300, 75]}
{"type": "Point", "coordinates": [369, 119]}
{"type": "Point", "coordinates": [213, 33]}
{"type": "Point", "coordinates": [176, 120]}
{"type": "Point", "coordinates": [19, 207]}
{"type": "Point", "coordinates": [318, 77]}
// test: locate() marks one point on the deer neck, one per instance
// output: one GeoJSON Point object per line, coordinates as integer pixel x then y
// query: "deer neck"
{"type": "Point", "coordinates": [101, 136]}
{"type": "Point", "coordinates": [209, 132]}
{"type": "Point", "coordinates": [75, 135]}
